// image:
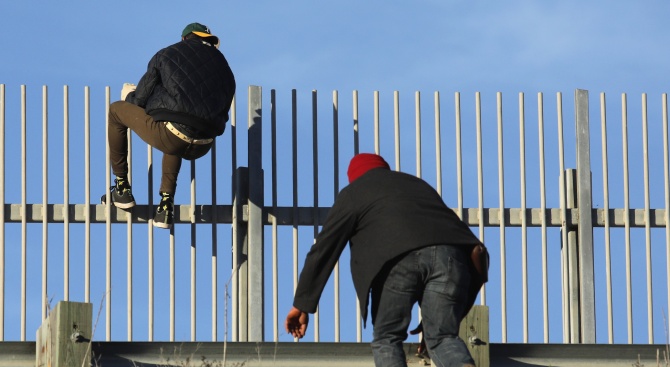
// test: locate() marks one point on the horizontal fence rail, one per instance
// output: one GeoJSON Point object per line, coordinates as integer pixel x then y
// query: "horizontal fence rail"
{"type": "Point", "coordinates": [577, 256]}
{"type": "Point", "coordinates": [285, 215]}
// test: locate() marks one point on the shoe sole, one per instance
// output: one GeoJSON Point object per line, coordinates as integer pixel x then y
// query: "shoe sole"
{"type": "Point", "coordinates": [123, 205]}
{"type": "Point", "coordinates": [162, 225]}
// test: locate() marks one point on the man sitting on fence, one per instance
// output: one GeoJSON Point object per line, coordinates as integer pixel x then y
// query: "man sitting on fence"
{"type": "Point", "coordinates": [179, 106]}
{"type": "Point", "coordinates": [406, 246]}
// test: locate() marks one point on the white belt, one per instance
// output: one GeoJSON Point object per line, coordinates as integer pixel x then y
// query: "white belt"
{"type": "Point", "coordinates": [185, 138]}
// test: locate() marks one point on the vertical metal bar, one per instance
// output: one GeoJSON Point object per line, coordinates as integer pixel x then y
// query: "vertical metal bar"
{"type": "Point", "coordinates": [626, 206]}
{"type": "Point", "coordinates": [275, 283]}
{"type": "Point", "coordinates": [438, 145]}
{"type": "Point", "coordinates": [396, 126]}
{"type": "Point", "coordinates": [215, 256]}
{"type": "Point", "coordinates": [241, 197]}
{"type": "Point", "coordinates": [24, 231]}
{"type": "Point", "coordinates": [129, 279]}
{"type": "Point", "coordinates": [108, 227]}
{"type": "Point", "coordinates": [275, 268]}
{"type": "Point", "coordinates": [45, 201]}
{"type": "Point", "coordinates": [459, 154]}
{"type": "Point", "coordinates": [87, 195]}
{"type": "Point", "coordinates": [355, 113]}
{"type": "Point", "coordinates": [294, 155]}
{"type": "Point", "coordinates": [524, 230]}
{"type": "Point", "coordinates": [480, 180]}
{"type": "Point", "coordinates": [543, 213]}
{"type": "Point", "coordinates": [666, 175]}
{"type": "Point", "coordinates": [193, 254]}
{"type": "Point", "coordinates": [2, 214]}
{"type": "Point", "coordinates": [359, 326]}
{"type": "Point", "coordinates": [572, 262]}
{"type": "Point", "coordinates": [241, 256]}
{"type": "Point", "coordinates": [315, 179]}
{"type": "Point", "coordinates": [564, 227]}
{"type": "Point", "coordinates": [129, 250]}
{"type": "Point", "coordinates": [150, 240]}
{"type": "Point", "coordinates": [376, 121]}
{"type": "Point", "coordinates": [606, 217]}
{"type": "Point", "coordinates": [647, 228]}
{"type": "Point", "coordinates": [336, 189]}
{"type": "Point", "coordinates": [417, 113]}
{"type": "Point", "coordinates": [417, 106]}
{"type": "Point", "coordinates": [501, 218]}
{"type": "Point", "coordinates": [255, 227]}
{"type": "Point", "coordinates": [66, 194]}
{"type": "Point", "coordinates": [173, 282]}
{"type": "Point", "coordinates": [585, 232]}
{"type": "Point", "coordinates": [234, 278]}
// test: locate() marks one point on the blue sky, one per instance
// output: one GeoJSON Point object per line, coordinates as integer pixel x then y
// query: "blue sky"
{"type": "Point", "coordinates": [486, 46]}
{"type": "Point", "coordinates": [449, 46]}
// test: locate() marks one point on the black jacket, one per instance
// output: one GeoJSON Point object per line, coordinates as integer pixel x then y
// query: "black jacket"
{"type": "Point", "coordinates": [382, 214]}
{"type": "Point", "coordinates": [189, 82]}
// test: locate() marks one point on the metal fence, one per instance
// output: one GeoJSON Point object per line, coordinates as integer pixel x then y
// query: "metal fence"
{"type": "Point", "coordinates": [574, 231]}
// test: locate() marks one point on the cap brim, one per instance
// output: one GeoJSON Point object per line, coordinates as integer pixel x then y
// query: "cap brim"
{"type": "Point", "coordinates": [203, 34]}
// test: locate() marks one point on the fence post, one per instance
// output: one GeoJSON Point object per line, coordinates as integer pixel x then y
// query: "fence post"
{"type": "Point", "coordinates": [255, 211]}
{"type": "Point", "coordinates": [64, 337]}
{"type": "Point", "coordinates": [571, 265]}
{"type": "Point", "coordinates": [240, 256]}
{"type": "Point", "coordinates": [474, 330]}
{"type": "Point", "coordinates": [585, 222]}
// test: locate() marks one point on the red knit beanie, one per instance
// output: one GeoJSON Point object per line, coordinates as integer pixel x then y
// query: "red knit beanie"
{"type": "Point", "coordinates": [364, 162]}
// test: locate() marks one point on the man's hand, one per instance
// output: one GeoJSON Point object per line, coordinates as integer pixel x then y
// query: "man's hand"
{"type": "Point", "coordinates": [296, 323]}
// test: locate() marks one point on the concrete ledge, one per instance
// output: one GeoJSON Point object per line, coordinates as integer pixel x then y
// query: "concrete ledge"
{"type": "Point", "coordinates": [219, 354]}
{"type": "Point", "coordinates": [575, 355]}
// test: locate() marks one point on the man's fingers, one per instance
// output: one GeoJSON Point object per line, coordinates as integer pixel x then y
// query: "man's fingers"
{"type": "Point", "coordinates": [298, 333]}
{"type": "Point", "coordinates": [296, 329]}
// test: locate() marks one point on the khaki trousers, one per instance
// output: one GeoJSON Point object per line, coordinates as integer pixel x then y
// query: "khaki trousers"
{"type": "Point", "coordinates": [123, 116]}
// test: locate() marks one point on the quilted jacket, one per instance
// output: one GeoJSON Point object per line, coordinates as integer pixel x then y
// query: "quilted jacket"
{"type": "Point", "coordinates": [190, 83]}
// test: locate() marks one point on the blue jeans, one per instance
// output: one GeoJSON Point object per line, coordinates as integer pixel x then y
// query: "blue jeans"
{"type": "Point", "coordinates": [437, 277]}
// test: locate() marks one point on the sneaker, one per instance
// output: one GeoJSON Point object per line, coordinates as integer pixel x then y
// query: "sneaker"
{"type": "Point", "coordinates": [165, 213]}
{"type": "Point", "coordinates": [121, 195]}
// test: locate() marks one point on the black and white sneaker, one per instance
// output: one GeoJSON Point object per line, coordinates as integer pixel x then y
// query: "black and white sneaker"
{"type": "Point", "coordinates": [121, 195]}
{"type": "Point", "coordinates": [164, 216]}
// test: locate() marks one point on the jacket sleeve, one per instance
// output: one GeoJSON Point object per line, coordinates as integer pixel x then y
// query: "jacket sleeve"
{"type": "Point", "coordinates": [324, 254]}
{"type": "Point", "coordinates": [146, 84]}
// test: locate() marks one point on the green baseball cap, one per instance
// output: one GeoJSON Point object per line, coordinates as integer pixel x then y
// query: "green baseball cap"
{"type": "Point", "coordinates": [198, 29]}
